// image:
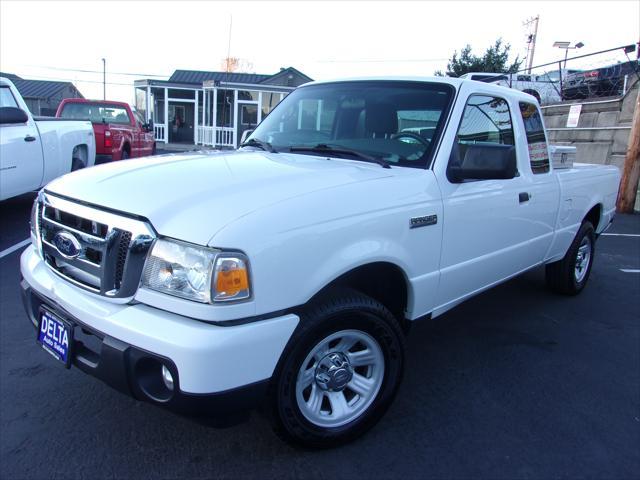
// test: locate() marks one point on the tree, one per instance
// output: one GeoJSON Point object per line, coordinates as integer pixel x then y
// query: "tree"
{"type": "Point", "coordinates": [494, 60]}
{"type": "Point", "coordinates": [235, 64]}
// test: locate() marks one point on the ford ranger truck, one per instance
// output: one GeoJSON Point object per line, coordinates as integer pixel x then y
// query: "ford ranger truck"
{"type": "Point", "coordinates": [35, 150]}
{"type": "Point", "coordinates": [285, 274]}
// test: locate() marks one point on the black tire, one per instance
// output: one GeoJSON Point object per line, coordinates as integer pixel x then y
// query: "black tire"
{"type": "Point", "coordinates": [125, 155]}
{"type": "Point", "coordinates": [77, 164]}
{"type": "Point", "coordinates": [339, 311]}
{"type": "Point", "coordinates": [561, 275]}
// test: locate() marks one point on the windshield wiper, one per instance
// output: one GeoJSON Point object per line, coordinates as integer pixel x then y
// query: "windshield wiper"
{"type": "Point", "coordinates": [327, 149]}
{"type": "Point", "coordinates": [254, 142]}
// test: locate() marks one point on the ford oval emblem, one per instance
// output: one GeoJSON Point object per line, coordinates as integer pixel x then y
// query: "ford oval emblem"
{"type": "Point", "coordinates": [67, 245]}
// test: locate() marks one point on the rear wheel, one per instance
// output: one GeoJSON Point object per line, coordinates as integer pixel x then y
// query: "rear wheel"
{"type": "Point", "coordinates": [339, 372]}
{"type": "Point", "coordinates": [570, 275]}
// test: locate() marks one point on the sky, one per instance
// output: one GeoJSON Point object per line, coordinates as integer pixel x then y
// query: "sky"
{"type": "Point", "coordinates": [331, 39]}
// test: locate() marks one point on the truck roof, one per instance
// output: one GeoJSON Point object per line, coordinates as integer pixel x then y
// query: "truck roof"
{"type": "Point", "coordinates": [454, 82]}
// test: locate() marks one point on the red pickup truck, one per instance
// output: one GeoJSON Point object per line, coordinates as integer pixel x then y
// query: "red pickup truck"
{"type": "Point", "coordinates": [120, 132]}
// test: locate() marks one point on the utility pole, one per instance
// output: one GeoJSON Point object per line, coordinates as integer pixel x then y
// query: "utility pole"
{"type": "Point", "coordinates": [531, 40]}
{"type": "Point", "coordinates": [631, 169]}
{"type": "Point", "coordinates": [104, 79]}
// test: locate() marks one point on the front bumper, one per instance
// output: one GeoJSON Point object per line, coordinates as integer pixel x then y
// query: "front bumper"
{"type": "Point", "coordinates": [123, 345]}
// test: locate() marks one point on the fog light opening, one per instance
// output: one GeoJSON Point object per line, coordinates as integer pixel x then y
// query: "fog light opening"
{"type": "Point", "coordinates": [167, 378]}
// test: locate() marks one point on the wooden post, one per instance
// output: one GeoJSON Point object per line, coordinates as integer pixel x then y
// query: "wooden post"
{"type": "Point", "coordinates": [631, 171]}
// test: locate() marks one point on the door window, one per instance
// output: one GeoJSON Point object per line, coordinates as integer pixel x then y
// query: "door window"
{"type": "Point", "coordinates": [486, 120]}
{"type": "Point", "coordinates": [536, 138]}
{"type": "Point", "coordinates": [6, 98]}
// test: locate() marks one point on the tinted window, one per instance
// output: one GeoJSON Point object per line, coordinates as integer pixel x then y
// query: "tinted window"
{"type": "Point", "coordinates": [396, 121]}
{"type": "Point", "coordinates": [536, 139]}
{"type": "Point", "coordinates": [96, 113]}
{"type": "Point", "coordinates": [6, 98]}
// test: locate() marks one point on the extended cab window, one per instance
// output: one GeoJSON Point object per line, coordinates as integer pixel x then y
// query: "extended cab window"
{"type": "Point", "coordinates": [536, 138]}
{"type": "Point", "coordinates": [6, 98]}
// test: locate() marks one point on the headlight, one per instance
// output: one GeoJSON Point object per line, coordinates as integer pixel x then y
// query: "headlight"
{"type": "Point", "coordinates": [196, 273]}
{"type": "Point", "coordinates": [33, 225]}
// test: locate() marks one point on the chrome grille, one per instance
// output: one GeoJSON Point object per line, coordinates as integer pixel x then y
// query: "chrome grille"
{"type": "Point", "coordinates": [100, 251]}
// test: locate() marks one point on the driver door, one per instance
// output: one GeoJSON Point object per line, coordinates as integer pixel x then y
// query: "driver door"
{"type": "Point", "coordinates": [486, 229]}
{"type": "Point", "coordinates": [21, 161]}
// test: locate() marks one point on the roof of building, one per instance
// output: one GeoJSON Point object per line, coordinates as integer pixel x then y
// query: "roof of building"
{"type": "Point", "coordinates": [197, 77]}
{"type": "Point", "coordinates": [37, 88]}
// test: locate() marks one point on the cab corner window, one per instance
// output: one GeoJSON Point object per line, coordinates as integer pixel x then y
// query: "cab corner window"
{"type": "Point", "coordinates": [536, 138]}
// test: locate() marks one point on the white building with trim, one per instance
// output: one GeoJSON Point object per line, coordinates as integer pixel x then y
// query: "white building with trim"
{"type": "Point", "coordinates": [211, 108]}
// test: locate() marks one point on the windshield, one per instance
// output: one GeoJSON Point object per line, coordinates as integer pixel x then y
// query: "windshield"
{"type": "Point", "coordinates": [96, 113]}
{"type": "Point", "coordinates": [398, 122]}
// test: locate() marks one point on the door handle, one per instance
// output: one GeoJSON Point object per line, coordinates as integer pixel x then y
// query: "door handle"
{"type": "Point", "coordinates": [29, 138]}
{"type": "Point", "coordinates": [524, 197]}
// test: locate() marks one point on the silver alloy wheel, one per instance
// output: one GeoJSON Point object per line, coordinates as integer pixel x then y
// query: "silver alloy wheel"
{"type": "Point", "coordinates": [340, 378]}
{"type": "Point", "coordinates": [582, 259]}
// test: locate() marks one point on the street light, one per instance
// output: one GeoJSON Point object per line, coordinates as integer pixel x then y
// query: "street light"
{"type": "Point", "coordinates": [567, 46]}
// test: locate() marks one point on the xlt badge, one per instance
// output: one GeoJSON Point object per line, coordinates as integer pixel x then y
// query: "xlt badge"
{"type": "Point", "coordinates": [424, 221]}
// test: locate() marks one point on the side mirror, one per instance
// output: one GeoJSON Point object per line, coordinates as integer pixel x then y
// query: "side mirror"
{"type": "Point", "coordinates": [245, 135]}
{"type": "Point", "coordinates": [482, 162]}
{"type": "Point", "coordinates": [13, 115]}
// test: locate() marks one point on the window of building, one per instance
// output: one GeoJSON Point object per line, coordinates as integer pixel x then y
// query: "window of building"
{"type": "Point", "coordinates": [269, 100]}
{"type": "Point", "coordinates": [536, 138]}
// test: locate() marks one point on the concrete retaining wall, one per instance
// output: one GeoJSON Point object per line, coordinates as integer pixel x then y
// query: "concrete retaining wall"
{"type": "Point", "coordinates": [602, 134]}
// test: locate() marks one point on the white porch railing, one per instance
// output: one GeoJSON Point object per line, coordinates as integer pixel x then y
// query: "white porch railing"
{"type": "Point", "coordinates": [159, 132]}
{"type": "Point", "coordinates": [216, 136]}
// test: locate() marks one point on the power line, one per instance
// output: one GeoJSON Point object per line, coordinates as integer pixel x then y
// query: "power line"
{"type": "Point", "coordinates": [97, 71]}
{"type": "Point", "coordinates": [382, 60]}
{"type": "Point", "coordinates": [72, 80]}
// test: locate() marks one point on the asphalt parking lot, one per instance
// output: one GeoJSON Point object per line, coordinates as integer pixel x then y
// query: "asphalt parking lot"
{"type": "Point", "coordinates": [515, 383]}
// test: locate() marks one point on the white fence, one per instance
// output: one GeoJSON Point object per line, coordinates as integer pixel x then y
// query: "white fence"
{"type": "Point", "coordinates": [159, 132]}
{"type": "Point", "coordinates": [216, 136]}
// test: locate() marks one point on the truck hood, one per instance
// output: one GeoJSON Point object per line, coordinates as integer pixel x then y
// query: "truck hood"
{"type": "Point", "coordinates": [192, 196]}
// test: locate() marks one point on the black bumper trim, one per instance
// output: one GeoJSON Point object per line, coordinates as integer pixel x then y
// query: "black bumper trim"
{"type": "Point", "coordinates": [122, 367]}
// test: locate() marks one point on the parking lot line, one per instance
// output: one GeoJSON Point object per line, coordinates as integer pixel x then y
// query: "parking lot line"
{"type": "Point", "coordinates": [630, 270]}
{"type": "Point", "coordinates": [15, 247]}
{"type": "Point", "coordinates": [621, 235]}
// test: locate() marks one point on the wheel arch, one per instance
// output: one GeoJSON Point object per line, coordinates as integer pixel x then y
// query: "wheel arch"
{"type": "Point", "coordinates": [594, 215]}
{"type": "Point", "coordinates": [383, 281]}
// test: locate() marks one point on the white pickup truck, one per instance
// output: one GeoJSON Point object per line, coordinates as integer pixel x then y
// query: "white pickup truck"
{"type": "Point", "coordinates": [286, 274]}
{"type": "Point", "coordinates": [35, 150]}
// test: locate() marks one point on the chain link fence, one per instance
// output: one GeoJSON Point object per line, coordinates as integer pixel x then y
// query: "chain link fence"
{"type": "Point", "coordinates": [608, 73]}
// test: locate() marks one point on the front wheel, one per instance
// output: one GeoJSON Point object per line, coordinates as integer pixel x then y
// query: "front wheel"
{"type": "Point", "coordinates": [570, 275]}
{"type": "Point", "coordinates": [339, 373]}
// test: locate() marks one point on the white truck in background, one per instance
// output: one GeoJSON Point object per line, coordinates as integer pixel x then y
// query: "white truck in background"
{"type": "Point", "coordinates": [35, 150]}
{"type": "Point", "coordinates": [543, 87]}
